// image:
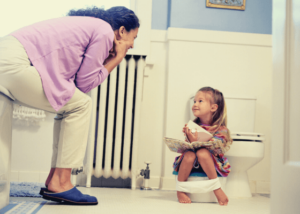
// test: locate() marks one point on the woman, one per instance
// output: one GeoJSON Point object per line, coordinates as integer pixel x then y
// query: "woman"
{"type": "Point", "coordinates": [50, 65]}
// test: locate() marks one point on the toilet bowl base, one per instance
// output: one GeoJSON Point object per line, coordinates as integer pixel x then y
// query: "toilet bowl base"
{"type": "Point", "coordinates": [237, 185]}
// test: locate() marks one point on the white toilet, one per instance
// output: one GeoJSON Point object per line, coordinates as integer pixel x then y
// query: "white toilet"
{"type": "Point", "coordinates": [247, 148]}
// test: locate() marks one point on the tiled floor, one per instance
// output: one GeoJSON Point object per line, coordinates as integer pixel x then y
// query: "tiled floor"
{"type": "Point", "coordinates": [123, 201]}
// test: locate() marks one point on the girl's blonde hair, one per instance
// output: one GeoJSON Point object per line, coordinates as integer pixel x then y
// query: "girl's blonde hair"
{"type": "Point", "coordinates": [219, 118]}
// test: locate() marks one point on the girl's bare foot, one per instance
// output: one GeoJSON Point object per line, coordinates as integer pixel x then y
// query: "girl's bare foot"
{"type": "Point", "coordinates": [221, 196]}
{"type": "Point", "coordinates": [183, 198]}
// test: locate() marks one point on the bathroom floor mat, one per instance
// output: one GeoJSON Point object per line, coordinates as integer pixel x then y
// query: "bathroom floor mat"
{"type": "Point", "coordinates": [25, 189]}
{"type": "Point", "coordinates": [18, 207]}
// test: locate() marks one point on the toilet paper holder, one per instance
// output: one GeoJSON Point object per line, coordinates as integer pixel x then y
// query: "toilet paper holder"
{"type": "Point", "coordinates": [146, 174]}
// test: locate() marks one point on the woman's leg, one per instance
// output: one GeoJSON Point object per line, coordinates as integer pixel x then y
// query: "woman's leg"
{"type": "Point", "coordinates": [207, 164]}
{"type": "Point", "coordinates": [50, 175]}
{"type": "Point", "coordinates": [23, 81]}
{"type": "Point", "coordinates": [185, 169]}
{"type": "Point", "coordinates": [61, 180]}
{"type": "Point", "coordinates": [70, 139]}
{"type": "Point", "coordinates": [56, 132]}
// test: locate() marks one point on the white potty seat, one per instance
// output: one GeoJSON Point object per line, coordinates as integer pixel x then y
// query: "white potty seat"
{"type": "Point", "coordinates": [200, 188]}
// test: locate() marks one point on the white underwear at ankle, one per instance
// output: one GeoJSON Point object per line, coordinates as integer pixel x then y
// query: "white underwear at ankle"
{"type": "Point", "coordinates": [198, 186]}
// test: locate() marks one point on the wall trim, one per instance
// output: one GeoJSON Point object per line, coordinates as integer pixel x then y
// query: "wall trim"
{"type": "Point", "coordinates": [154, 182]}
{"type": "Point", "coordinates": [224, 37]}
{"type": "Point", "coordinates": [143, 10]}
{"type": "Point", "coordinates": [158, 36]}
{"type": "Point", "coordinates": [28, 176]}
{"type": "Point", "coordinates": [210, 36]}
{"type": "Point", "coordinates": [168, 183]}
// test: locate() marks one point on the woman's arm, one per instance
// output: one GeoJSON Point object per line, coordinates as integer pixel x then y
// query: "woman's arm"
{"type": "Point", "coordinates": [98, 61]}
{"type": "Point", "coordinates": [92, 71]}
{"type": "Point", "coordinates": [112, 63]}
{"type": "Point", "coordinates": [116, 55]}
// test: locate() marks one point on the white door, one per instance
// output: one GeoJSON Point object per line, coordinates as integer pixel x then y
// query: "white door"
{"type": "Point", "coordinates": [285, 144]}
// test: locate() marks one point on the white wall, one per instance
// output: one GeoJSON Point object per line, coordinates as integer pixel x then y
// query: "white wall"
{"type": "Point", "coordinates": [32, 145]}
{"type": "Point", "coordinates": [184, 60]}
{"type": "Point", "coordinates": [235, 63]}
{"type": "Point", "coordinates": [152, 109]}
{"type": "Point", "coordinates": [33, 11]}
{"type": "Point", "coordinates": [32, 150]}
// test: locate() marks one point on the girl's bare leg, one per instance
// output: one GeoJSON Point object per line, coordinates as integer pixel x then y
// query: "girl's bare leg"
{"type": "Point", "coordinates": [207, 164]}
{"type": "Point", "coordinates": [61, 180]}
{"type": "Point", "coordinates": [185, 169]}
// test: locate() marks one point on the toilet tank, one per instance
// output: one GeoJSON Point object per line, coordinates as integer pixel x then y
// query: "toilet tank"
{"type": "Point", "coordinates": [240, 113]}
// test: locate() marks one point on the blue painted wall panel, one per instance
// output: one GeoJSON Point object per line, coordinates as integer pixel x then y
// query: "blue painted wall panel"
{"type": "Point", "coordinates": [193, 14]}
{"type": "Point", "coordinates": [160, 14]}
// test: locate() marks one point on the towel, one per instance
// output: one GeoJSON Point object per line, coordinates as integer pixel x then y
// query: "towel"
{"type": "Point", "coordinates": [28, 116]}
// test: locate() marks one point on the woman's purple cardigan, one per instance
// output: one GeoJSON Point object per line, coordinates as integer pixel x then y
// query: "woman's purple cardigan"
{"type": "Point", "coordinates": [67, 52]}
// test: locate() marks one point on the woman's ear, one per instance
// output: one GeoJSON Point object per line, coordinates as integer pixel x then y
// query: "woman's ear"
{"type": "Point", "coordinates": [122, 31]}
{"type": "Point", "coordinates": [117, 34]}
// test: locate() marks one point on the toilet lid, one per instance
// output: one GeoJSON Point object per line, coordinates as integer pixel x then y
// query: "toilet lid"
{"type": "Point", "coordinates": [247, 136]}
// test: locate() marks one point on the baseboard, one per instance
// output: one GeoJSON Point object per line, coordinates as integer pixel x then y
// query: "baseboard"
{"type": "Point", "coordinates": [168, 183]}
{"type": "Point", "coordinates": [262, 187]}
{"type": "Point", "coordinates": [14, 176]}
{"type": "Point", "coordinates": [154, 182]}
{"type": "Point", "coordinates": [28, 176]}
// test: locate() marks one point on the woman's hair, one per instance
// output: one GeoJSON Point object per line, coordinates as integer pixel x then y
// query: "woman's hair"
{"type": "Point", "coordinates": [115, 16]}
{"type": "Point", "coordinates": [219, 118]}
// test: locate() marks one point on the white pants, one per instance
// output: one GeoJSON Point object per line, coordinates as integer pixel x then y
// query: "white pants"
{"type": "Point", "coordinates": [22, 83]}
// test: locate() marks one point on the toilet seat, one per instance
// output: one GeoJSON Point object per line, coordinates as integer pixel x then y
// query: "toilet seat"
{"type": "Point", "coordinates": [247, 136]}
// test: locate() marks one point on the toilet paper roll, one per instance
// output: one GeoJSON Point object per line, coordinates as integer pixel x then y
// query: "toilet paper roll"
{"type": "Point", "coordinates": [198, 186]}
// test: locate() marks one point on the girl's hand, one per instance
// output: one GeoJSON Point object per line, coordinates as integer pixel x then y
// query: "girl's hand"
{"type": "Point", "coordinates": [184, 130]}
{"type": "Point", "coordinates": [192, 137]}
{"type": "Point", "coordinates": [189, 135]}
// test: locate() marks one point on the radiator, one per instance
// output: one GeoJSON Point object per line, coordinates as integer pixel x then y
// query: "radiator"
{"type": "Point", "coordinates": [113, 136]}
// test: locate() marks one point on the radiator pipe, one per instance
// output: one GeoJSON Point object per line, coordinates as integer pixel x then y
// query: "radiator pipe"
{"type": "Point", "coordinates": [75, 172]}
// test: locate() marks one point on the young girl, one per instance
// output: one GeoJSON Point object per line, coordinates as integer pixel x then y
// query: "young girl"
{"type": "Point", "coordinates": [210, 112]}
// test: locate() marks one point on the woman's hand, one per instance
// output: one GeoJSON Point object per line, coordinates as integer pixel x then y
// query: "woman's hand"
{"type": "Point", "coordinates": [116, 54]}
{"type": "Point", "coordinates": [111, 56]}
{"type": "Point", "coordinates": [120, 48]}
